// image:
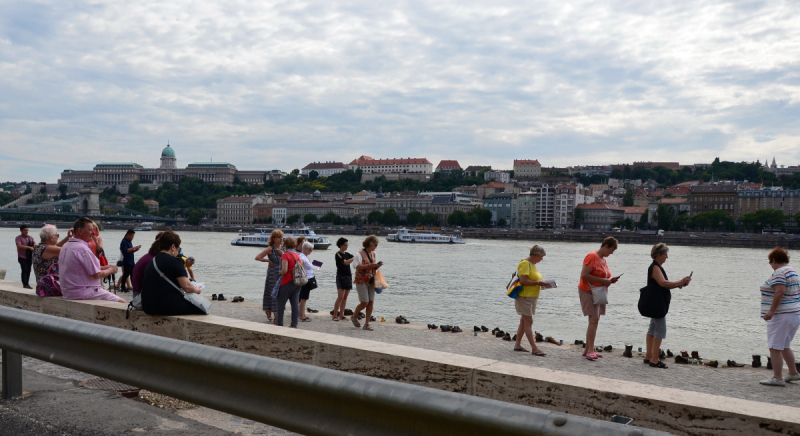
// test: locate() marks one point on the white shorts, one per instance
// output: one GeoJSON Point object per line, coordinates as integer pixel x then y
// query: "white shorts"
{"type": "Point", "coordinates": [781, 330]}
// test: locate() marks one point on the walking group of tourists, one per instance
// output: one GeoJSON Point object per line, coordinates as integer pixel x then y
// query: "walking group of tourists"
{"type": "Point", "coordinates": [780, 303]}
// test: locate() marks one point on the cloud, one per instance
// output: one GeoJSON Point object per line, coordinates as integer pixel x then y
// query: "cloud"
{"type": "Point", "coordinates": [279, 84]}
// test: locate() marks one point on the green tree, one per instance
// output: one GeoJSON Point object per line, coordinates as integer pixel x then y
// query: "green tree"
{"type": "Point", "coordinates": [328, 217]}
{"type": "Point", "coordinates": [457, 218]}
{"type": "Point", "coordinates": [627, 223]}
{"type": "Point", "coordinates": [682, 221]}
{"type": "Point", "coordinates": [665, 216]}
{"type": "Point", "coordinates": [309, 218]}
{"type": "Point", "coordinates": [312, 175]}
{"type": "Point", "coordinates": [133, 188]}
{"type": "Point", "coordinates": [137, 204]}
{"type": "Point", "coordinates": [763, 219]}
{"type": "Point", "coordinates": [293, 219]}
{"type": "Point", "coordinates": [645, 219]}
{"type": "Point", "coordinates": [63, 189]}
{"type": "Point", "coordinates": [578, 217]}
{"type": "Point", "coordinates": [66, 208]}
{"type": "Point", "coordinates": [413, 218]}
{"type": "Point", "coordinates": [374, 217]}
{"type": "Point", "coordinates": [390, 217]}
{"type": "Point", "coordinates": [627, 200]}
{"type": "Point", "coordinates": [502, 222]}
{"type": "Point", "coordinates": [356, 220]}
{"type": "Point", "coordinates": [194, 217]}
{"type": "Point", "coordinates": [429, 219]}
{"type": "Point", "coordinates": [269, 220]}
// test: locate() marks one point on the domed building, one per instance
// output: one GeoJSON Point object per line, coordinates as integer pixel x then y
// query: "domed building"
{"type": "Point", "coordinates": [122, 174]}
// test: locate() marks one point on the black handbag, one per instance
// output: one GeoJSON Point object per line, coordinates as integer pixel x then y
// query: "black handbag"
{"type": "Point", "coordinates": [653, 299]}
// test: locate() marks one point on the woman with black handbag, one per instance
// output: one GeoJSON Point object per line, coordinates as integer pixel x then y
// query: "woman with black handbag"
{"type": "Point", "coordinates": [654, 303]}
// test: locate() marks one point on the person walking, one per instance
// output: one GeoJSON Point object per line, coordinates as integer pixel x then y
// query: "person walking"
{"type": "Point", "coordinates": [595, 273]}
{"type": "Point", "coordinates": [128, 262]}
{"type": "Point", "coordinates": [305, 290]}
{"type": "Point", "coordinates": [272, 256]}
{"type": "Point", "coordinates": [80, 270]}
{"type": "Point", "coordinates": [531, 280]}
{"type": "Point", "coordinates": [45, 254]}
{"type": "Point", "coordinates": [288, 290]}
{"type": "Point", "coordinates": [24, 254]}
{"type": "Point", "coordinates": [780, 308]}
{"type": "Point", "coordinates": [344, 279]}
{"type": "Point", "coordinates": [367, 264]}
{"type": "Point", "coordinates": [657, 279]}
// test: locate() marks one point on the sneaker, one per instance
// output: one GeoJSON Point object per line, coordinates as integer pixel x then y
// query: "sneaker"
{"type": "Point", "coordinates": [772, 381]}
{"type": "Point", "coordinates": [792, 377]}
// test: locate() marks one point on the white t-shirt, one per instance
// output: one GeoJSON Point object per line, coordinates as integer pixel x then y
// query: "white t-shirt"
{"type": "Point", "coordinates": [307, 265]}
{"type": "Point", "coordinates": [359, 261]}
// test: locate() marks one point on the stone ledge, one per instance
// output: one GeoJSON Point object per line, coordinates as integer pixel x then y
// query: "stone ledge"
{"type": "Point", "coordinates": [666, 409]}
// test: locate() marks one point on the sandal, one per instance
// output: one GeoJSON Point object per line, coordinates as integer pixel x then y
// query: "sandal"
{"type": "Point", "coordinates": [659, 365]}
{"type": "Point", "coordinates": [355, 322]}
{"type": "Point", "coordinates": [368, 327]}
{"type": "Point", "coordinates": [521, 349]}
{"type": "Point", "coordinates": [306, 319]}
{"type": "Point", "coordinates": [539, 353]}
{"type": "Point", "coordinates": [335, 318]}
{"type": "Point", "coordinates": [592, 356]}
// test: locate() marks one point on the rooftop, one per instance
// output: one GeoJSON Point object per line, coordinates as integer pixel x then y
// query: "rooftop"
{"type": "Point", "coordinates": [324, 165]}
{"type": "Point", "coordinates": [526, 162]}
{"type": "Point", "coordinates": [367, 160]}
{"type": "Point", "coordinates": [595, 206]}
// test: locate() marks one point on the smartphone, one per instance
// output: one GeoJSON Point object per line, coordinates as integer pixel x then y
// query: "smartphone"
{"type": "Point", "coordinates": [690, 274]}
{"type": "Point", "coordinates": [617, 277]}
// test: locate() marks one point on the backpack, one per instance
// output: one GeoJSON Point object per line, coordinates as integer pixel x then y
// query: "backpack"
{"type": "Point", "coordinates": [47, 285]}
{"type": "Point", "coordinates": [299, 273]}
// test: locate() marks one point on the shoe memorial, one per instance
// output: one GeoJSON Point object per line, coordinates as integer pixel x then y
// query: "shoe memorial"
{"type": "Point", "coordinates": [372, 318]}
{"type": "Point", "coordinates": [431, 326]}
{"type": "Point", "coordinates": [499, 333]}
{"type": "Point", "coordinates": [712, 363]}
{"type": "Point", "coordinates": [552, 340]}
{"type": "Point", "coordinates": [608, 348]}
{"type": "Point", "coordinates": [681, 359]}
{"type": "Point", "coordinates": [221, 297]}
{"type": "Point", "coordinates": [456, 329]}
{"type": "Point", "coordinates": [476, 329]}
{"type": "Point", "coordinates": [661, 354]}
{"type": "Point", "coordinates": [348, 312]}
{"type": "Point", "coordinates": [515, 337]}
{"type": "Point", "coordinates": [507, 337]}
{"type": "Point", "coordinates": [733, 364]}
{"type": "Point", "coordinates": [214, 298]}
{"type": "Point", "coordinates": [769, 363]}
{"type": "Point", "coordinates": [362, 315]}
{"type": "Point", "coordinates": [445, 327]}
{"type": "Point", "coordinates": [484, 328]}
{"type": "Point", "coordinates": [695, 355]}
{"type": "Point", "coordinates": [684, 354]}
{"type": "Point", "coordinates": [628, 351]}
{"type": "Point", "coordinates": [539, 337]}
{"type": "Point", "coordinates": [669, 353]}
{"type": "Point", "coordinates": [756, 361]}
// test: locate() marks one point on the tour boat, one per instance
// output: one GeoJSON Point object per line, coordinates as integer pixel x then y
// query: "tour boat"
{"type": "Point", "coordinates": [404, 235]}
{"type": "Point", "coordinates": [261, 238]}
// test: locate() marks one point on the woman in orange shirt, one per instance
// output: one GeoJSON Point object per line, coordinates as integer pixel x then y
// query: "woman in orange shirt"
{"type": "Point", "coordinates": [595, 273]}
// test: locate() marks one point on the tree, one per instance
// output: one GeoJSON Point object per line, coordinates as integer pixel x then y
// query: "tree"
{"type": "Point", "coordinates": [627, 223]}
{"type": "Point", "coordinates": [390, 217]}
{"type": "Point", "coordinates": [665, 216]}
{"type": "Point", "coordinates": [429, 219]}
{"type": "Point", "coordinates": [292, 219]}
{"type": "Point", "coordinates": [63, 189]}
{"type": "Point", "coordinates": [627, 200]}
{"type": "Point", "coordinates": [309, 218]}
{"type": "Point", "coordinates": [312, 175]}
{"type": "Point", "coordinates": [194, 217]}
{"type": "Point", "coordinates": [682, 221]}
{"type": "Point", "coordinates": [133, 187]}
{"type": "Point", "coordinates": [645, 219]}
{"type": "Point", "coordinates": [763, 219]}
{"type": "Point", "coordinates": [578, 217]}
{"type": "Point", "coordinates": [269, 220]}
{"type": "Point", "coordinates": [66, 208]}
{"type": "Point", "coordinates": [457, 218]}
{"type": "Point", "coordinates": [357, 221]}
{"type": "Point", "coordinates": [413, 218]}
{"type": "Point", "coordinates": [502, 222]}
{"type": "Point", "coordinates": [328, 217]}
{"type": "Point", "coordinates": [137, 204]}
{"type": "Point", "coordinates": [374, 217]}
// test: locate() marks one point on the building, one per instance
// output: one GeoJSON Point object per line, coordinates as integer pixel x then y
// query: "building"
{"type": "Point", "coordinates": [545, 204]}
{"type": "Point", "coordinates": [710, 197]}
{"type": "Point", "coordinates": [591, 170]}
{"type": "Point", "coordinates": [780, 170]}
{"type": "Point", "coordinates": [474, 170]}
{"type": "Point", "coordinates": [279, 215]}
{"type": "Point", "coordinates": [681, 189]}
{"type": "Point", "coordinates": [319, 209]}
{"type": "Point", "coordinates": [497, 176]}
{"type": "Point", "coordinates": [526, 168]}
{"type": "Point", "coordinates": [499, 205]}
{"type": "Point", "coordinates": [262, 212]}
{"type": "Point", "coordinates": [597, 190]}
{"type": "Point", "coordinates": [554, 171]}
{"type": "Point", "coordinates": [523, 211]}
{"type": "Point", "coordinates": [122, 174]}
{"type": "Point", "coordinates": [634, 212]}
{"type": "Point", "coordinates": [566, 198]}
{"type": "Point", "coordinates": [600, 216]}
{"type": "Point", "coordinates": [447, 166]}
{"type": "Point", "coordinates": [392, 166]}
{"type": "Point", "coordinates": [467, 190]}
{"type": "Point", "coordinates": [678, 205]}
{"type": "Point", "coordinates": [749, 201]}
{"type": "Point", "coordinates": [491, 188]}
{"type": "Point", "coordinates": [152, 205]}
{"type": "Point", "coordinates": [237, 210]}
{"type": "Point", "coordinates": [323, 169]}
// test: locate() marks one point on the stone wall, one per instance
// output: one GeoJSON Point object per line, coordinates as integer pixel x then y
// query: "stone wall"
{"type": "Point", "coordinates": [672, 410]}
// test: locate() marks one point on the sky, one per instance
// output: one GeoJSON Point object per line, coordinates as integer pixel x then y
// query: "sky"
{"type": "Point", "coordinates": [279, 84]}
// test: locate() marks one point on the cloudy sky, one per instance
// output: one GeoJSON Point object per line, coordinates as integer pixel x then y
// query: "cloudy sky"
{"type": "Point", "coordinates": [282, 83]}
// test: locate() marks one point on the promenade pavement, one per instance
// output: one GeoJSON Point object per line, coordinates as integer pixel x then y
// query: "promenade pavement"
{"type": "Point", "coordinates": [726, 382]}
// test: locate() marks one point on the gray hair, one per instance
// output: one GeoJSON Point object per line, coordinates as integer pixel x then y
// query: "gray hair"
{"type": "Point", "coordinates": [47, 232]}
{"type": "Point", "coordinates": [307, 246]}
{"type": "Point", "coordinates": [537, 250]}
{"type": "Point", "coordinates": [658, 250]}
{"type": "Point", "coordinates": [190, 259]}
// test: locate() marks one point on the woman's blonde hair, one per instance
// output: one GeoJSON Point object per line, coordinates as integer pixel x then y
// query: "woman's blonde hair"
{"type": "Point", "coordinates": [370, 240]}
{"type": "Point", "coordinates": [537, 250]}
{"type": "Point", "coordinates": [658, 250]}
{"type": "Point", "coordinates": [274, 235]}
{"type": "Point", "coordinates": [290, 243]}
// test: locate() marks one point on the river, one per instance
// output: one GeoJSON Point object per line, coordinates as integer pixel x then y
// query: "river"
{"type": "Point", "coordinates": [718, 314]}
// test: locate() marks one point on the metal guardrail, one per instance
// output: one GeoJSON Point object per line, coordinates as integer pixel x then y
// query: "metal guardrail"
{"type": "Point", "coordinates": [292, 396]}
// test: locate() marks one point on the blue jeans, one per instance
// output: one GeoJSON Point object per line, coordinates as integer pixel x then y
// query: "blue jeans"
{"type": "Point", "coordinates": [290, 292]}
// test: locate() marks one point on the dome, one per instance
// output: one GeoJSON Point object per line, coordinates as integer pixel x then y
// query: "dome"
{"type": "Point", "coordinates": [167, 152]}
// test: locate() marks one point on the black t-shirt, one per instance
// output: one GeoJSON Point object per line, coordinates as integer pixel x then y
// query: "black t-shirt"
{"type": "Point", "coordinates": [341, 268]}
{"type": "Point", "coordinates": [158, 296]}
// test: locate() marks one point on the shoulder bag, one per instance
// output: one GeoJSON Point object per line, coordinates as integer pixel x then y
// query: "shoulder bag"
{"type": "Point", "coordinates": [48, 285]}
{"type": "Point", "coordinates": [599, 293]}
{"type": "Point", "coordinates": [199, 302]}
{"type": "Point", "coordinates": [653, 299]}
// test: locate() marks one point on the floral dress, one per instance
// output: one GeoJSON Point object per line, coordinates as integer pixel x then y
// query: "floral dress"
{"type": "Point", "coordinates": [273, 276]}
{"type": "Point", "coordinates": [41, 266]}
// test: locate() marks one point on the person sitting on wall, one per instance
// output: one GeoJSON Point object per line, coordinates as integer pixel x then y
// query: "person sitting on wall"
{"type": "Point", "coordinates": [160, 295]}
{"type": "Point", "coordinates": [81, 273]}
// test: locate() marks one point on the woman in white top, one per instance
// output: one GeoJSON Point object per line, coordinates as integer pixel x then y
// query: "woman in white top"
{"type": "Point", "coordinates": [306, 250]}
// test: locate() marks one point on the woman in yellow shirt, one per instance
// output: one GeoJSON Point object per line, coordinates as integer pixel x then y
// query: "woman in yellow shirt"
{"type": "Point", "coordinates": [531, 280]}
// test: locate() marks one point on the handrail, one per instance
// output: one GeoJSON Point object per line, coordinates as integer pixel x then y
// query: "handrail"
{"type": "Point", "coordinates": [292, 396]}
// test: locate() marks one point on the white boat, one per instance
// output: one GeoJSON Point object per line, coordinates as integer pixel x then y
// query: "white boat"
{"type": "Point", "coordinates": [143, 229]}
{"type": "Point", "coordinates": [261, 238]}
{"type": "Point", "coordinates": [404, 235]}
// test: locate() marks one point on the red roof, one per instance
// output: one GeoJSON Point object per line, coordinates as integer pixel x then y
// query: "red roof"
{"type": "Point", "coordinates": [494, 185]}
{"type": "Point", "coordinates": [449, 164]}
{"type": "Point", "coordinates": [366, 160]}
{"type": "Point", "coordinates": [526, 162]}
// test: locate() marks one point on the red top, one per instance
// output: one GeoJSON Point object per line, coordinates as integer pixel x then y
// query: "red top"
{"type": "Point", "coordinates": [291, 258]}
{"type": "Point", "coordinates": [599, 269]}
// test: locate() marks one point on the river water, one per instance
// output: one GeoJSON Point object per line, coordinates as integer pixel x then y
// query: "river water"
{"type": "Point", "coordinates": [718, 314]}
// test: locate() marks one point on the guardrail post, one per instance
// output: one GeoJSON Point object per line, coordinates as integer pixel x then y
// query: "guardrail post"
{"type": "Point", "coordinates": [12, 374]}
